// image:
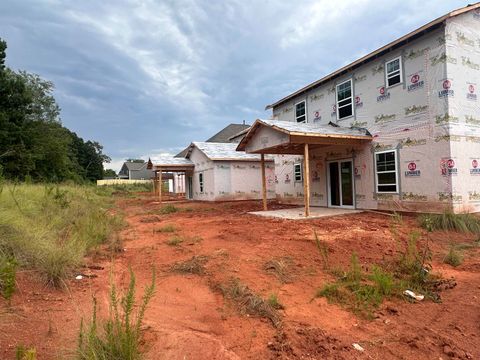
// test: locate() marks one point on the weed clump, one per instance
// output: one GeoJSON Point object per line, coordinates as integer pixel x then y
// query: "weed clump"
{"type": "Point", "coordinates": [8, 269]}
{"type": "Point", "coordinates": [453, 257]}
{"type": "Point", "coordinates": [275, 302]}
{"type": "Point", "coordinates": [24, 353]}
{"type": "Point", "coordinates": [168, 209]}
{"type": "Point", "coordinates": [247, 302]}
{"type": "Point", "coordinates": [167, 229]}
{"type": "Point", "coordinates": [175, 240]}
{"type": "Point", "coordinates": [448, 221]}
{"type": "Point", "coordinates": [281, 268]}
{"type": "Point", "coordinates": [322, 248]}
{"type": "Point", "coordinates": [119, 336]}
{"type": "Point", "coordinates": [195, 265]}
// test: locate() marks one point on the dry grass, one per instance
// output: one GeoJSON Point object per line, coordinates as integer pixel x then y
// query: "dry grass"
{"type": "Point", "coordinates": [247, 302]}
{"type": "Point", "coordinates": [194, 265]}
{"type": "Point", "coordinates": [170, 228]}
{"type": "Point", "coordinates": [281, 268]}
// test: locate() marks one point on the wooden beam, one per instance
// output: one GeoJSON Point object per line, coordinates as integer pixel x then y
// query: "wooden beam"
{"type": "Point", "coordinates": [299, 139]}
{"type": "Point", "coordinates": [306, 180]}
{"type": "Point", "coordinates": [160, 185]}
{"type": "Point", "coordinates": [264, 182]}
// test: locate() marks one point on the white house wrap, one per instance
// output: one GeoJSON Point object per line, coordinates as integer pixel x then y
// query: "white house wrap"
{"type": "Point", "coordinates": [416, 97]}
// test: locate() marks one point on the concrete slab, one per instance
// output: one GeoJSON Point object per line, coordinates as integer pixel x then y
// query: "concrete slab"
{"type": "Point", "coordinates": [299, 213]}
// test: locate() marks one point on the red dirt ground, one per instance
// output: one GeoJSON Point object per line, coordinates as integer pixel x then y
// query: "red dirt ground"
{"type": "Point", "coordinates": [189, 319]}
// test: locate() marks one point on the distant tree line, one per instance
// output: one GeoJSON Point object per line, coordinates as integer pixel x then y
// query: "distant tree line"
{"type": "Point", "coordinates": [33, 143]}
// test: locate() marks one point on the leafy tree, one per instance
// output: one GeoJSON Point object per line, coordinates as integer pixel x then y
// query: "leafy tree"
{"type": "Point", "coordinates": [109, 173]}
{"type": "Point", "coordinates": [135, 160]}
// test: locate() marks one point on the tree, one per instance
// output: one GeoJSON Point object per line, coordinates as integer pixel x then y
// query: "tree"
{"type": "Point", "coordinates": [109, 173]}
{"type": "Point", "coordinates": [135, 160]}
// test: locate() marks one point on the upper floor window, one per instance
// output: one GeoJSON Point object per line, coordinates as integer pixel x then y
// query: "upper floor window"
{"type": "Point", "coordinates": [344, 99]}
{"type": "Point", "coordinates": [386, 171]}
{"type": "Point", "coordinates": [393, 71]}
{"type": "Point", "coordinates": [300, 112]}
{"type": "Point", "coordinates": [297, 172]}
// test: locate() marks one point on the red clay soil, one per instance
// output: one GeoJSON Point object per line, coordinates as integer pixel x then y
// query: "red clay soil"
{"type": "Point", "coordinates": [189, 319]}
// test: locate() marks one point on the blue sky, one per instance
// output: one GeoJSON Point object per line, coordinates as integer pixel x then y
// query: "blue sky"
{"type": "Point", "coordinates": [147, 77]}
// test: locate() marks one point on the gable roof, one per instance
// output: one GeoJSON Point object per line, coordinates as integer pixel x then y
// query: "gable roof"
{"type": "Point", "coordinates": [379, 52]}
{"type": "Point", "coordinates": [223, 136]}
{"type": "Point", "coordinates": [293, 129]}
{"type": "Point", "coordinates": [134, 166]}
{"type": "Point", "coordinates": [223, 151]}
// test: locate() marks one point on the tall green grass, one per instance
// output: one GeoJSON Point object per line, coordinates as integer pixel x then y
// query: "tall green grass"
{"type": "Point", "coordinates": [50, 228]}
{"type": "Point", "coordinates": [448, 221]}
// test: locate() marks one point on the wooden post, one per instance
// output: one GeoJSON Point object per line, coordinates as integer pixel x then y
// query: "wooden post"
{"type": "Point", "coordinates": [264, 182]}
{"type": "Point", "coordinates": [306, 180]}
{"type": "Point", "coordinates": [155, 184]}
{"type": "Point", "coordinates": [160, 185]}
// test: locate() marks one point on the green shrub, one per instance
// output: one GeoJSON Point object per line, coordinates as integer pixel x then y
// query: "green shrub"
{"type": "Point", "coordinates": [275, 302]}
{"type": "Point", "coordinates": [8, 268]}
{"type": "Point", "coordinates": [24, 353]}
{"type": "Point", "coordinates": [119, 336]}
{"type": "Point", "coordinates": [448, 221]}
{"type": "Point", "coordinates": [453, 257]}
{"type": "Point", "coordinates": [383, 281]}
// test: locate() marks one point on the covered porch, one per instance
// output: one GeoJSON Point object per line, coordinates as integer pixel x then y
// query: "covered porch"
{"type": "Point", "coordinates": [288, 138]}
{"type": "Point", "coordinates": [181, 167]}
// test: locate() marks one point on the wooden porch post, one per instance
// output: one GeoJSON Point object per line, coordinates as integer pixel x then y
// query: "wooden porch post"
{"type": "Point", "coordinates": [160, 185]}
{"type": "Point", "coordinates": [155, 184]}
{"type": "Point", "coordinates": [264, 182]}
{"type": "Point", "coordinates": [306, 180]}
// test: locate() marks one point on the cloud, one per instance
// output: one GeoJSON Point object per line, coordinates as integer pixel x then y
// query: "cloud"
{"type": "Point", "coordinates": [149, 77]}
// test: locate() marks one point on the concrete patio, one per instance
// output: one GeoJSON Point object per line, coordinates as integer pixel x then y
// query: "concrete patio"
{"type": "Point", "coordinates": [299, 213]}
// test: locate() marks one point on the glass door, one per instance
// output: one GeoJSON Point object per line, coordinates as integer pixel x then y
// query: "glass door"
{"type": "Point", "coordinates": [340, 184]}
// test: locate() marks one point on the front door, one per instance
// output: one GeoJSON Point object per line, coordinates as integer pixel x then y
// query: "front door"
{"type": "Point", "coordinates": [340, 184]}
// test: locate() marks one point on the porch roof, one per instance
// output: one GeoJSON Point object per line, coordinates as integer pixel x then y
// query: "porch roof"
{"type": "Point", "coordinates": [172, 164]}
{"type": "Point", "coordinates": [284, 137]}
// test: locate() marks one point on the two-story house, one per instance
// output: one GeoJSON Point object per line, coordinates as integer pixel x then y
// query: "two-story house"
{"type": "Point", "coordinates": [398, 129]}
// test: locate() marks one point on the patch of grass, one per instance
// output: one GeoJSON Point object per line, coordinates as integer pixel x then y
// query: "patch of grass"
{"type": "Point", "coordinates": [453, 257]}
{"type": "Point", "coordinates": [170, 228]}
{"type": "Point", "coordinates": [24, 353]}
{"type": "Point", "coordinates": [50, 228]}
{"type": "Point", "coordinates": [168, 209]}
{"type": "Point", "coordinates": [383, 281]}
{"type": "Point", "coordinates": [275, 302]}
{"type": "Point", "coordinates": [281, 268]}
{"type": "Point", "coordinates": [448, 221]}
{"type": "Point", "coordinates": [194, 265]}
{"type": "Point", "coordinates": [119, 336]}
{"type": "Point", "coordinates": [8, 269]}
{"type": "Point", "coordinates": [247, 302]}
{"type": "Point", "coordinates": [175, 240]}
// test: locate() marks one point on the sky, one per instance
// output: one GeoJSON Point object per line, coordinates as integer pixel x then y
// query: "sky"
{"type": "Point", "coordinates": [147, 77]}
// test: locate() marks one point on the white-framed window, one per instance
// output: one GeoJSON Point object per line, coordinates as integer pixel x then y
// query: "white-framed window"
{"type": "Point", "coordinates": [393, 71]}
{"type": "Point", "coordinates": [301, 112]}
{"type": "Point", "coordinates": [386, 171]}
{"type": "Point", "coordinates": [200, 182]}
{"type": "Point", "coordinates": [297, 172]}
{"type": "Point", "coordinates": [344, 99]}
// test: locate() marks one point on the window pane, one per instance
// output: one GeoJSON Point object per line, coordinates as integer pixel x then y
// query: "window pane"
{"type": "Point", "coordinates": [393, 65]}
{"type": "Point", "coordinates": [300, 109]}
{"type": "Point", "coordinates": [301, 118]}
{"type": "Point", "coordinates": [344, 91]}
{"type": "Point", "coordinates": [394, 80]}
{"type": "Point", "coordinates": [344, 112]}
{"type": "Point", "coordinates": [386, 178]}
{"type": "Point", "coordinates": [386, 161]}
{"type": "Point", "coordinates": [387, 188]}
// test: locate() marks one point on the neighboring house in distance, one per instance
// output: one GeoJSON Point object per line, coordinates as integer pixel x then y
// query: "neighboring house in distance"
{"type": "Point", "coordinates": [216, 171]}
{"type": "Point", "coordinates": [134, 170]}
{"type": "Point", "coordinates": [398, 129]}
{"type": "Point", "coordinates": [227, 135]}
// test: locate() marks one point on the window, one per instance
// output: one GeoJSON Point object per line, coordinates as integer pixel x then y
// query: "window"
{"type": "Point", "coordinates": [386, 171]}
{"type": "Point", "coordinates": [300, 113]}
{"type": "Point", "coordinates": [297, 172]}
{"type": "Point", "coordinates": [393, 71]}
{"type": "Point", "coordinates": [344, 100]}
{"type": "Point", "coordinates": [200, 182]}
